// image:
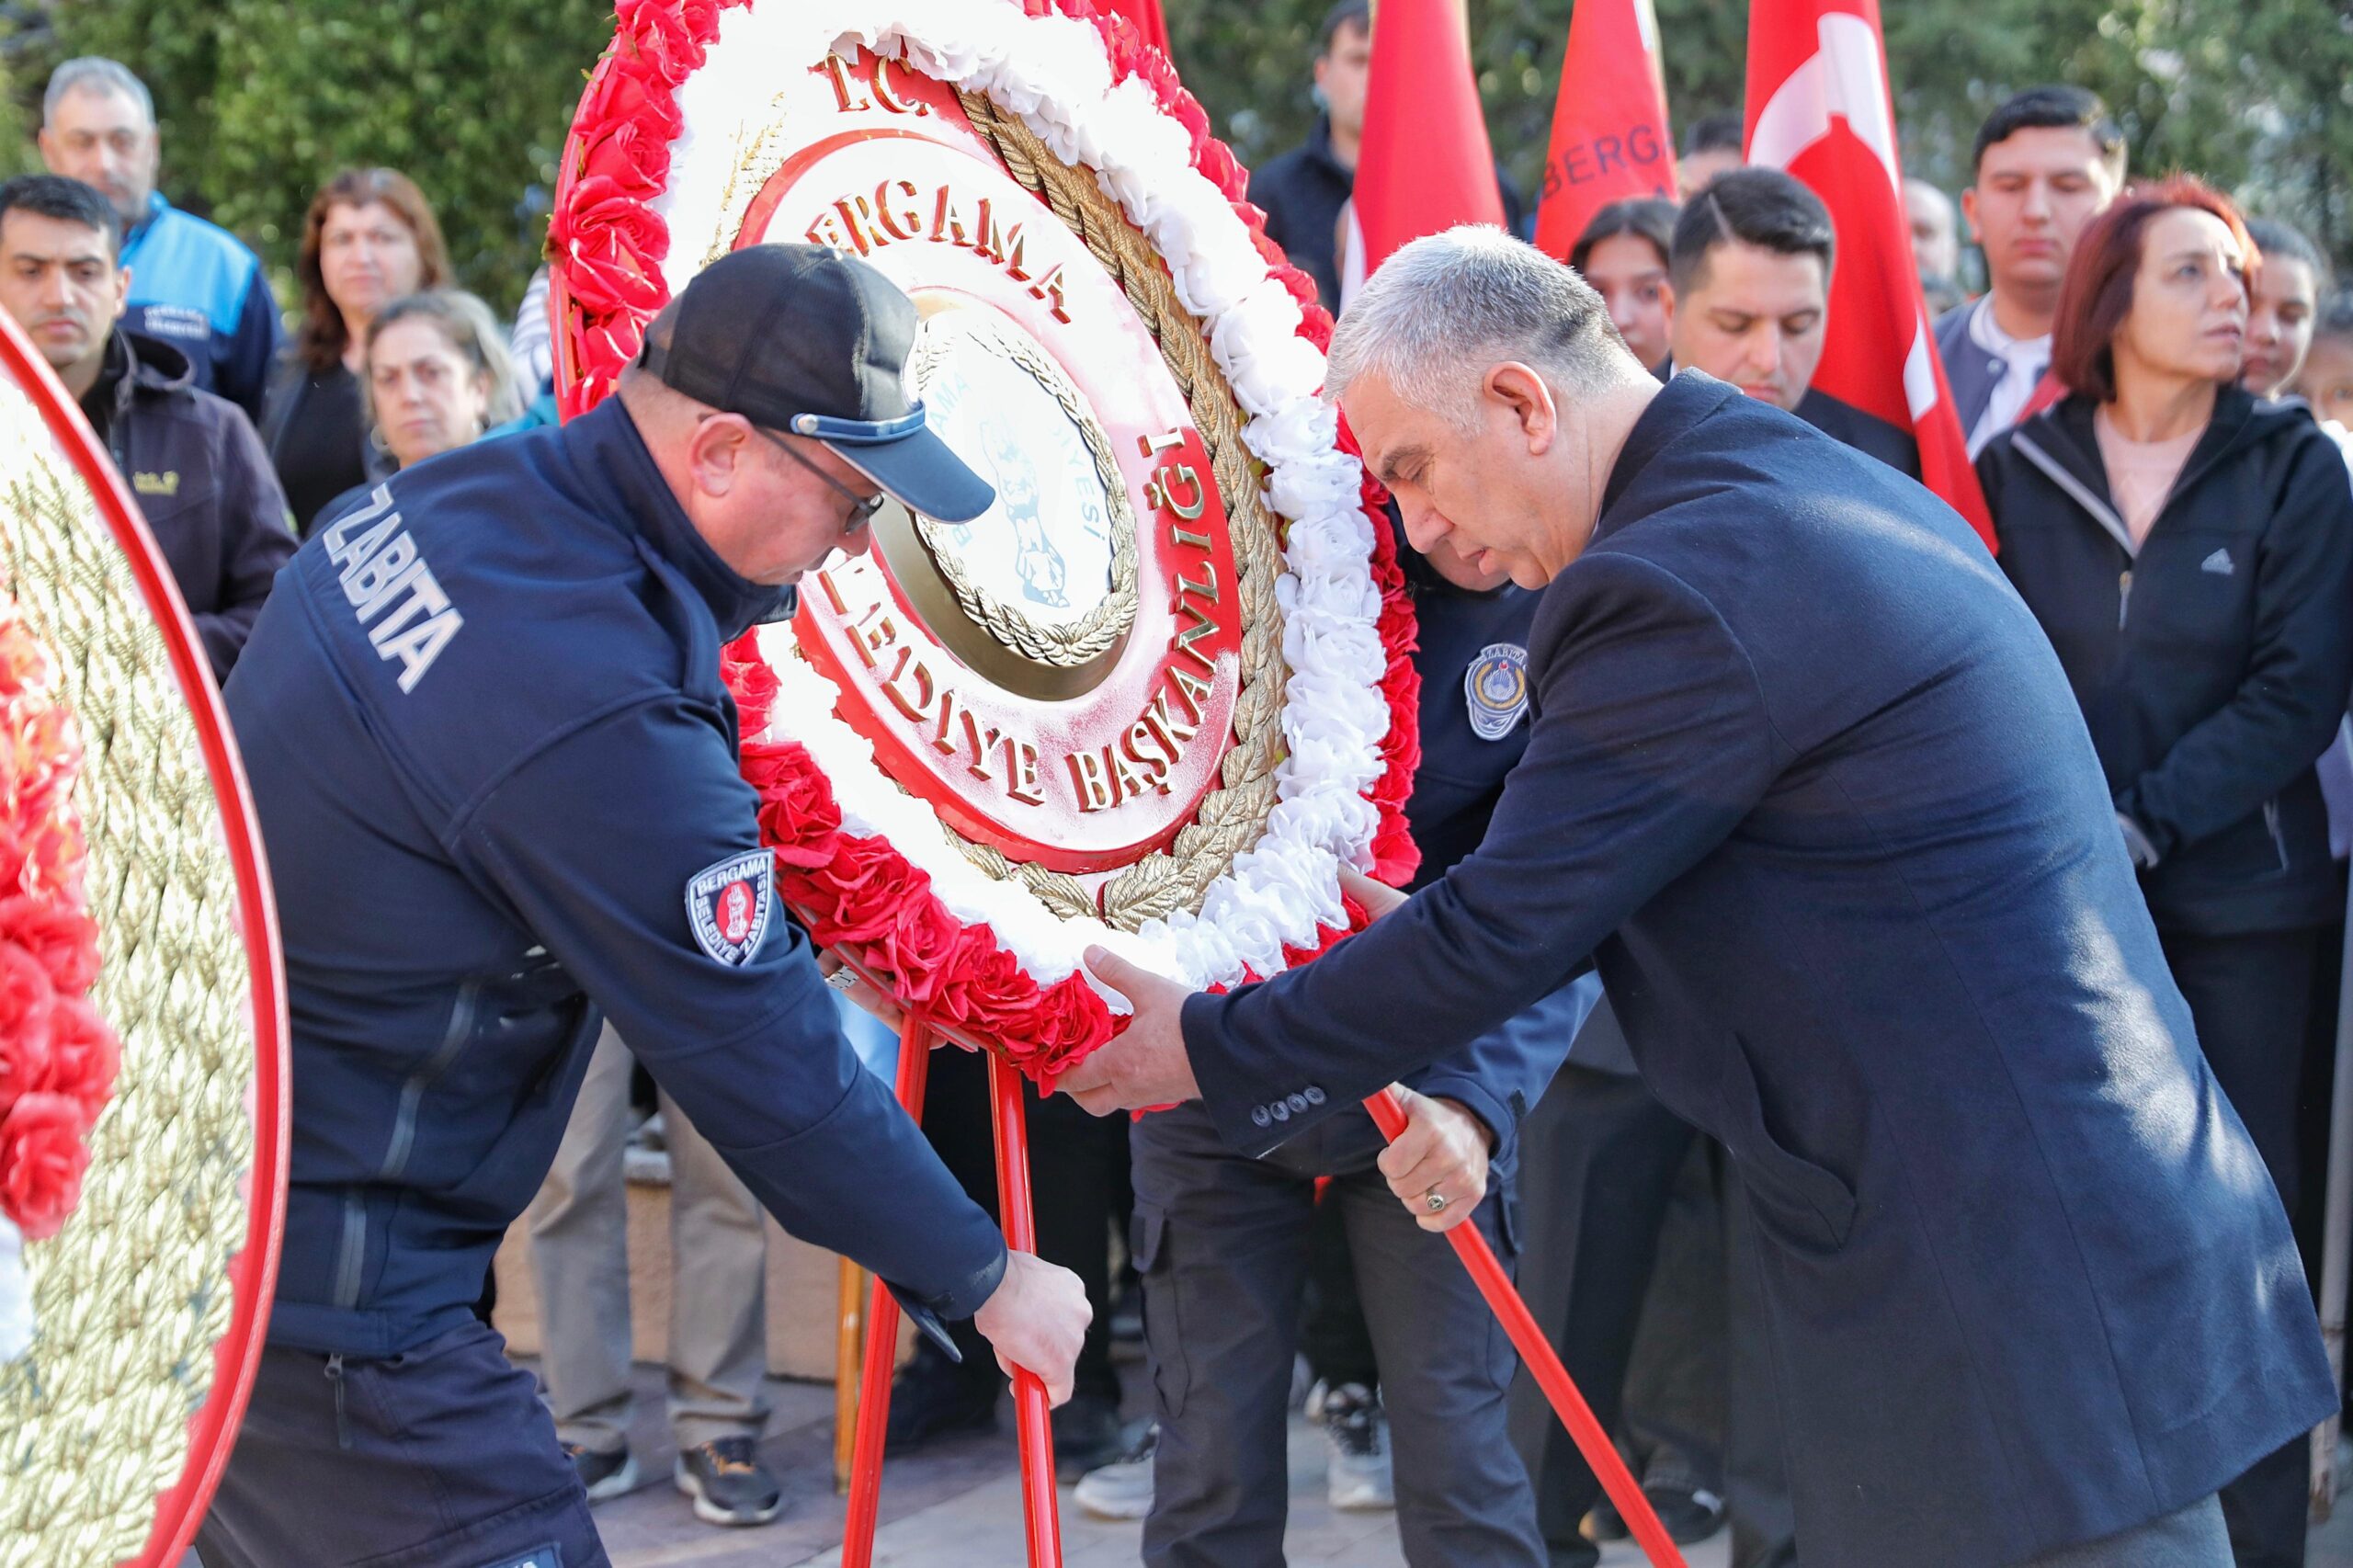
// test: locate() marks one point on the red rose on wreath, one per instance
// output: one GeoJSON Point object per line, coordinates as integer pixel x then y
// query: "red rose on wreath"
{"type": "Point", "coordinates": [862, 889]}
{"type": "Point", "coordinates": [920, 946]}
{"type": "Point", "coordinates": [64, 939]}
{"type": "Point", "coordinates": [25, 998]}
{"type": "Point", "coordinates": [84, 1056]}
{"type": "Point", "coordinates": [41, 1161]}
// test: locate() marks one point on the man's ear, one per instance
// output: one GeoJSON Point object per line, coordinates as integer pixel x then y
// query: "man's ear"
{"type": "Point", "coordinates": [1968, 215]}
{"type": "Point", "coordinates": [717, 451]}
{"type": "Point", "coordinates": [1523, 390]}
{"type": "Point", "coordinates": [122, 291]}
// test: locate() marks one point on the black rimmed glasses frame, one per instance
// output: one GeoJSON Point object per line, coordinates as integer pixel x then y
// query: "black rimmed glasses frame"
{"type": "Point", "coordinates": [863, 508]}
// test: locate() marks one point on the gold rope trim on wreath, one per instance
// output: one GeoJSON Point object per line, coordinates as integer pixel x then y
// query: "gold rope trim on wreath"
{"type": "Point", "coordinates": [132, 1297]}
{"type": "Point", "coordinates": [1090, 637]}
{"type": "Point", "coordinates": [1233, 817]}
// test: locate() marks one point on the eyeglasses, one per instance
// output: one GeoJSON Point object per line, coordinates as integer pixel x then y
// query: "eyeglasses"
{"type": "Point", "coordinates": [863, 508]}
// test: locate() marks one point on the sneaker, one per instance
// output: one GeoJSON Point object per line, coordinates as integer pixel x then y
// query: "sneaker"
{"type": "Point", "coordinates": [645, 1157]}
{"type": "Point", "coordinates": [729, 1484]}
{"type": "Point", "coordinates": [1087, 1436]}
{"type": "Point", "coordinates": [1355, 1435]}
{"type": "Point", "coordinates": [1122, 1490]}
{"type": "Point", "coordinates": [1690, 1516]}
{"type": "Point", "coordinates": [935, 1398]}
{"type": "Point", "coordinates": [603, 1475]}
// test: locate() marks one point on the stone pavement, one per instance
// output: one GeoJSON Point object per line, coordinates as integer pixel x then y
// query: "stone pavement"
{"type": "Point", "coordinates": [958, 1505]}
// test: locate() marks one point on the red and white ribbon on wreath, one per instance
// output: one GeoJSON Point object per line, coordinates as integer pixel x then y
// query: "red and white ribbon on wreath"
{"type": "Point", "coordinates": [871, 867]}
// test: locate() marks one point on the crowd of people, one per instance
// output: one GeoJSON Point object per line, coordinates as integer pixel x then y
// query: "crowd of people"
{"type": "Point", "coordinates": [2154, 388]}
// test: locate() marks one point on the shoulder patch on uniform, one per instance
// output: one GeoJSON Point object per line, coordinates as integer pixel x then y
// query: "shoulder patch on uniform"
{"type": "Point", "coordinates": [729, 906]}
{"type": "Point", "coordinates": [1496, 688]}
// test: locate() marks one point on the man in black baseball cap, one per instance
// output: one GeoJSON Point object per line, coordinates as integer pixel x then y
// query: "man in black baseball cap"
{"type": "Point", "coordinates": [483, 720]}
{"type": "Point", "coordinates": [808, 340]}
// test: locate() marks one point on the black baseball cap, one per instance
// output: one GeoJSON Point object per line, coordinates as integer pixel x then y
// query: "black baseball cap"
{"type": "Point", "coordinates": [803, 338]}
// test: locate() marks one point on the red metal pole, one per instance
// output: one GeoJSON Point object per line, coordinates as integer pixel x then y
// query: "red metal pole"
{"type": "Point", "coordinates": [1031, 1411]}
{"type": "Point", "coordinates": [882, 1345]}
{"type": "Point", "coordinates": [1599, 1452]}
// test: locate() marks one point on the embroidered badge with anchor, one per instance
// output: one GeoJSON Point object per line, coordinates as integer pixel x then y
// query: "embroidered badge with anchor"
{"type": "Point", "coordinates": [729, 905]}
{"type": "Point", "coordinates": [1495, 687]}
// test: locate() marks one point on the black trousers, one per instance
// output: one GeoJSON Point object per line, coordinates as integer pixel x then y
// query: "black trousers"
{"type": "Point", "coordinates": [2250, 996]}
{"type": "Point", "coordinates": [1078, 1179]}
{"type": "Point", "coordinates": [1599, 1159]}
{"type": "Point", "coordinates": [442, 1456]}
{"type": "Point", "coordinates": [1224, 1245]}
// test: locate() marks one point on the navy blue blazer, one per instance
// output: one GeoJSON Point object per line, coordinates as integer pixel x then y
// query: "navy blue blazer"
{"type": "Point", "coordinates": [1808, 781]}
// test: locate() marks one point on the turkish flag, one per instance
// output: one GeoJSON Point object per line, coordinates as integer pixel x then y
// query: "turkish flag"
{"type": "Point", "coordinates": [1819, 107]}
{"type": "Point", "coordinates": [1425, 164]}
{"type": "Point", "coordinates": [1145, 15]}
{"type": "Point", "coordinates": [1609, 139]}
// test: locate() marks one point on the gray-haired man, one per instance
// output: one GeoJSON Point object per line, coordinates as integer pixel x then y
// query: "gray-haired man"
{"type": "Point", "coordinates": [1806, 781]}
{"type": "Point", "coordinates": [193, 284]}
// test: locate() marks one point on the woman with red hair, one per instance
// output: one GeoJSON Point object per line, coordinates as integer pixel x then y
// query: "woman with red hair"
{"type": "Point", "coordinates": [2188, 549]}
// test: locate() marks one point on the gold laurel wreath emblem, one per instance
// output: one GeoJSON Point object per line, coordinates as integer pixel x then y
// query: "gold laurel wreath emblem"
{"type": "Point", "coordinates": [1090, 637]}
{"type": "Point", "coordinates": [1231, 817]}
{"type": "Point", "coordinates": [132, 1296]}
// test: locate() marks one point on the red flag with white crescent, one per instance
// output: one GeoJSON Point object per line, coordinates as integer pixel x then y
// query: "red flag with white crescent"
{"type": "Point", "coordinates": [1609, 141]}
{"type": "Point", "coordinates": [1819, 107]}
{"type": "Point", "coordinates": [1425, 164]}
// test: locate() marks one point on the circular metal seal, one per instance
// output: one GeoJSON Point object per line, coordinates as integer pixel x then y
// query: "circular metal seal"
{"type": "Point", "coordinates": [1050, 571]}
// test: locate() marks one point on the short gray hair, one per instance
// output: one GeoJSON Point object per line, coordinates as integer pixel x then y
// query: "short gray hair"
{"type": "Point", "coordinates": [1443, 309]}
{"type": "Point", "coordinates": [95, 73]}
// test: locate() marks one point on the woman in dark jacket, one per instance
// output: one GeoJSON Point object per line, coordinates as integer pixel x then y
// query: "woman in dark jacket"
{"type": "Point", "coordinates": [2188, 549]}
{"type": "Point", "coordinates": [369, 238]}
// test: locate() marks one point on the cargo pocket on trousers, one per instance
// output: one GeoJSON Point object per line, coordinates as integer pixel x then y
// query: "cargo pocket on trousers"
{"type": "Point", "coordinates": [1803, 1205]}
{"type": "Point", "coordinates": [1164, 1333]}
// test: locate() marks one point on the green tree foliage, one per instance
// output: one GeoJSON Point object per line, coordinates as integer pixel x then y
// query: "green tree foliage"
{"type": "Point", "coordinates": [261, 101]}
{"type": "Point", "coordinates": [2257, 97]}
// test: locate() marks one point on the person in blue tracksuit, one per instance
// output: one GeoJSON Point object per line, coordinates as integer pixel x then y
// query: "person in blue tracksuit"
{"type": "Point", "coordinates": [1223, 1241]}
{"type": "Point", "coordinates": [496, 771]}
{"type": "Point", "coordinates": [193, 284]}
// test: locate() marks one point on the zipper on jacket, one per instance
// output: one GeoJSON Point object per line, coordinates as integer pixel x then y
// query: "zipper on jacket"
{"type": "Point", "coordinates": [2123, 598]}
{"type": "Point", "coordinates": [351, 1255]}
{"type": "Point", "coordinates": [335, 1377]}
{"type": "Point", "coordinates": [453, 1041]}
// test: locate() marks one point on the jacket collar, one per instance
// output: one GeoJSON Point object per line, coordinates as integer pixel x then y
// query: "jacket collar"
{"type": "Point", "coordinates": [2062, 443]}
{"type": "Point", "coordinates": [1688, 397]}
{"type": "Point", "coordinates": [1319, 149]}
{"type": "Point", "coordinates": [605, 445]}
{"type": "Point", "coordinates": [157, 208]}
{"type": "Point", "coordinates": [134, 363]}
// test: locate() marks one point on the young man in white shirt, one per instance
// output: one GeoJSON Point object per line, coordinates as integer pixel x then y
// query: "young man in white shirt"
{"type": "Point", "coordinates": [2047, 162]}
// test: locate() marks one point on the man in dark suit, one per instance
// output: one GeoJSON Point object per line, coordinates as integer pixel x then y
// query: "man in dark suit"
{"type": "Point", "coordinates": [1808, 783]}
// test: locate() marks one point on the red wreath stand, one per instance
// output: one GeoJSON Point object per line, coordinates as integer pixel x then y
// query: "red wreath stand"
{"type": "Point", "coordinates": [1033, 1422]}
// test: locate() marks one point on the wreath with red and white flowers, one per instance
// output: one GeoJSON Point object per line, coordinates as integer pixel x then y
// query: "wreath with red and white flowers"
{"type": "Point", "coordinates": [869, 868]}
{"type": "Point", "coordinates": [58, 1057]}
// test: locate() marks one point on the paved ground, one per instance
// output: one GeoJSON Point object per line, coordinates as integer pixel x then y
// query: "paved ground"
{"type": "Point", "coordinates": [959, 1506]}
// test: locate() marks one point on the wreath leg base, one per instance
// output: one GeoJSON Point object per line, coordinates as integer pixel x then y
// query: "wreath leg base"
{"type": "Point", "coordinates": [1041, 1510]}
{"type": "Point", "coordinates": [873, 1403]}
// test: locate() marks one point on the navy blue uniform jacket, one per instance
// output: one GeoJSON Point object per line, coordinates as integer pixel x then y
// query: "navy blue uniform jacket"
{"type": "Point", "coordinates": [1808, 780]}
{"type": "Point", "coordinates": [490, 750]}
